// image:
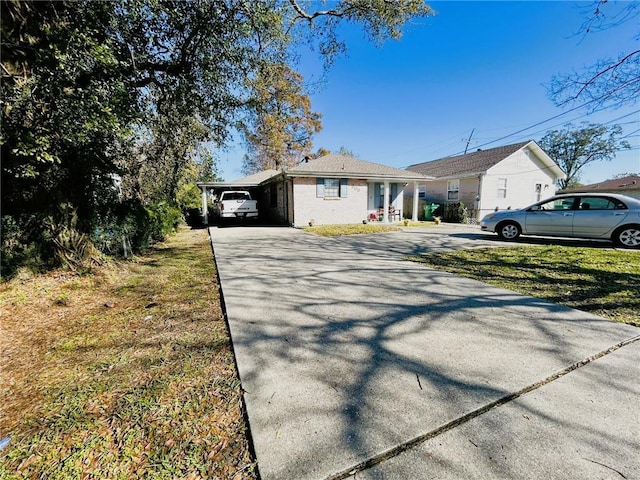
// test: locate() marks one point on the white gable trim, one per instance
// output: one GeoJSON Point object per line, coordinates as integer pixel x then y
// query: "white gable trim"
{"type": "Point", "coordinates": [546, 160]}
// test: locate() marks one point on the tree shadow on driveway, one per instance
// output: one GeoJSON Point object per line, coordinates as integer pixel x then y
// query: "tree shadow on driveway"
{"type": "Point", "coordinates": [345, 350]}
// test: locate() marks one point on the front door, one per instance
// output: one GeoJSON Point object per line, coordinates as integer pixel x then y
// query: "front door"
{"type": "Point", "coordinates": [379, 195]}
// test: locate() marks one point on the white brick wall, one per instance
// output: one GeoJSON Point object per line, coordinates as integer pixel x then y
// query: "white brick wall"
{"type": "Point", "coordinates": [327, 211]}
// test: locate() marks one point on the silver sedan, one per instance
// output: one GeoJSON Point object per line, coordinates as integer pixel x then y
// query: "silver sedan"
{"type": "Point", "coordinates": [603, 216]}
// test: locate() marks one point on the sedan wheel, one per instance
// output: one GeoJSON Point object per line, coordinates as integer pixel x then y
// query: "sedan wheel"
{"type": "Point", "coordinates": [509, 231]}
{"type": "Point", "coordinates": [629, 237]}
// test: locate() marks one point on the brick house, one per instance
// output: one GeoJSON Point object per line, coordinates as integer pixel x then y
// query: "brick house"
{"type": "Point", "coordinates": [332, 189]}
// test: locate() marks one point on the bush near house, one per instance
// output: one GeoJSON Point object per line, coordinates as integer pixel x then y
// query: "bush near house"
{"type": "Point", "coordinates": [456, 213]}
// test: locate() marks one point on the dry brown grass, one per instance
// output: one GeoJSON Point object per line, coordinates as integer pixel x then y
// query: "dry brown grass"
{"type": "Point", "coordinates": [122, 373]}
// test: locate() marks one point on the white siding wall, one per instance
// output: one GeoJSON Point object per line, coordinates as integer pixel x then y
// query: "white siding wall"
{"type": "Point", "coordinates": [522, 172]}
{"type": "Point", "coordinates": [327, 211]}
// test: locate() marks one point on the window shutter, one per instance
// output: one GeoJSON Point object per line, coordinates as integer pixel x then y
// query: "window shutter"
{"type": "Point", "coordinates": [394, 194]}
{"type": "Point", "coordinates": [344, 184]}
{"type": "Point", "coordinates": [319, 187]}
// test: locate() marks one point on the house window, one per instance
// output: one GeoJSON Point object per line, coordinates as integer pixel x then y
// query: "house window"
{"type": "Point", "coordinates": [502, 188]}
{"type": "Point", "coordinates": [453, 190]}
{"type": "Point", "coordinates": [332, 187]}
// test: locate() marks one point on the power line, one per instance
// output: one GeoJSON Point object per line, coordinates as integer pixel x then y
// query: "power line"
{"type": "Point", "coordinates": [539, 123]}
{"type": "Point", "coordinates": [623, 116]}
{"type": "Point", "coordinates": [630, 134]}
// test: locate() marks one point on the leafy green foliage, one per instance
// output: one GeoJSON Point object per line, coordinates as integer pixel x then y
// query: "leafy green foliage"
{"type": "Point", "coordinates": [109, 109]}
{"type": "Point", "coordinates": [456, 213]}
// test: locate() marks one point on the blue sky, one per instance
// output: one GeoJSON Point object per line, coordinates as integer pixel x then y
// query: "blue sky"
{"type": "Point", "coordinates": [479, 66]}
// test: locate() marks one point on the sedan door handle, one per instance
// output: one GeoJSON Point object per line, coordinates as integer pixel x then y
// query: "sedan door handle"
{"type": "Point", "coordinates": [619, 214]}
{"type": "Point", "coordinates": [568, 214]}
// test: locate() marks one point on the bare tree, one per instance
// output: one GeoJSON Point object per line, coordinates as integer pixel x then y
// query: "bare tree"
{"type": "Point", "coordinates": [610, 82]}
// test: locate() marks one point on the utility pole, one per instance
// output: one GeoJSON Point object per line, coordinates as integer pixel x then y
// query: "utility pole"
{"type": "Point", "coordinates": [469, 141]}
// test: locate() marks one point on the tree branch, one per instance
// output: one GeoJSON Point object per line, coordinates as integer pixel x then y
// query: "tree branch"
{"type": "Point", "coordinates": [310, 16]}
{"type": "Point", "coordinates": [602, 72]}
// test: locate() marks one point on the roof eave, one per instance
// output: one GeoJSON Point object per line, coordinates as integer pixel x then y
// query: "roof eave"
{"type": "Point", "coordinates": [227, 184]}
{"type": "Point", "coordinates": [546, 159]}
{"type": "Point", "coordinates": [366, 176]}
{"type": "Point", "coordinates": [461, 175]}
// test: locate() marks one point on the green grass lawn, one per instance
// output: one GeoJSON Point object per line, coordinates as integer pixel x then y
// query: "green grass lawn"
{"type": "Point", "coordinates": [605, 282]}
{"type": "Point", "coordinates": [352, 229]}
{"type": "Point", "coordinates": [126, 372]}
{"type": "Point", "coordinates": [364, 228]}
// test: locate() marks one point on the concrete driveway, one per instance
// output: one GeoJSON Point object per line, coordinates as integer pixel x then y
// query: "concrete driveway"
{"type": "Point", "coordinates": [358, 364]}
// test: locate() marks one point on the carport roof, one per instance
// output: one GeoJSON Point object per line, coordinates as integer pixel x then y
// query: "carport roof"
{"type": "Point", "coordinates": [250, 181]}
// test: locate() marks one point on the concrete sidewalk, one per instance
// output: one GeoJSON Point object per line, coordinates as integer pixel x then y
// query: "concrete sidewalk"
{"type": "Point", "coordinates": [354, 360]}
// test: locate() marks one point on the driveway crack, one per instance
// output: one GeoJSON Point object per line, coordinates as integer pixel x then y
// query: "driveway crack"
{"type": "Point", "coordinates": [412, 443]}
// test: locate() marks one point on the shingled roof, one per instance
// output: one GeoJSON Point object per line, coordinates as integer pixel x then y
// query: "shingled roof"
{"type": "Point", "coordinates": [631, 182]}
{"type": "Point", "coordinates": [334, 165]}
{"type": "Point", "coordinates": [468, 164]}
{"type": "Point", "coordinates": [245, 182]}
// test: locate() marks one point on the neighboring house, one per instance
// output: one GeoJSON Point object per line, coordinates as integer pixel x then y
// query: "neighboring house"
{"type": "Point", "coordinates": [510, 176]}
{"type": "Point", "coordinates": [629, 185]}
{"type": "Point", "coordinates": [332, 189]}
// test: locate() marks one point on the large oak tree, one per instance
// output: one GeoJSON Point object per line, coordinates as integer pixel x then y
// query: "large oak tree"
{"type": "Point", "coordinates": [92, 91]}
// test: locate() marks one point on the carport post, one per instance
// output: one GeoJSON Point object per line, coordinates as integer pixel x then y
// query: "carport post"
{"type": "Point", "coordinates": [414, 215]}
{"type": "Point", "coordinates": [205, 213]}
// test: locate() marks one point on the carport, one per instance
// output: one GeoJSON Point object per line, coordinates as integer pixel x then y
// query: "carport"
{"type": "Point", "coordinates": [254, 184]}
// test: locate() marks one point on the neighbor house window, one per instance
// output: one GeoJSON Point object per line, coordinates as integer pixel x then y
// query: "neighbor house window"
{"type": "Point", "coordinates": [502, 188]}
{"type": "Point", "coordinates": [331, 187]}
{"type": "Point", "coordinates": [453, 189]}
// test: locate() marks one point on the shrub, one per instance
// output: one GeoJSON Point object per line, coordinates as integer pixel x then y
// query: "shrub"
{"type": "Point", "coordinates": [133, 227]}
{"type": "Point", "coordinates": [17, 249]}
{"type": "Point", "coordinates": [163, 219]}
{"type": "Point", "coordinates": [456, 213]}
